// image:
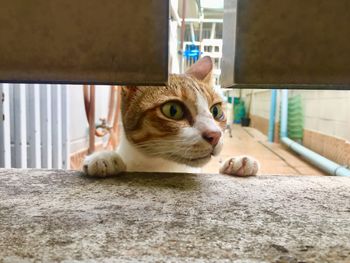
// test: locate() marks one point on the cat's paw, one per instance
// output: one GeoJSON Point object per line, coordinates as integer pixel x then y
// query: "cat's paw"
{"type": "Point", "coordinates": [240, 166]}
{"type": "Point", "coordinates": [103, 164]}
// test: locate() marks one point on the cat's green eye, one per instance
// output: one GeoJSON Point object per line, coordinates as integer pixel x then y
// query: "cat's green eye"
{"type": "Point", "coordinates": [217, 112]}
{"type": "Point", "coordinates": [173, 110]}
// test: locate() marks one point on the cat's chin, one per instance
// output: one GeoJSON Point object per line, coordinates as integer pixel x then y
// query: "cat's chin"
{"type": "Point", "coordinates": [193, 162]}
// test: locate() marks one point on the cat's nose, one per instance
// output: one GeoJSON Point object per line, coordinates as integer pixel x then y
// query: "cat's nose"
{"type": "Point", "coordinates": [212, 137]}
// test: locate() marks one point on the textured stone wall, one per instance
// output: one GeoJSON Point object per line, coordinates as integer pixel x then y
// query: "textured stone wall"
{"type": "Point", "coordinates": [62, 216]}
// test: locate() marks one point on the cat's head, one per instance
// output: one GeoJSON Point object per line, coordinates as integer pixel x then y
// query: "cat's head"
{"type": "Point", "coordinates": [182, 122]}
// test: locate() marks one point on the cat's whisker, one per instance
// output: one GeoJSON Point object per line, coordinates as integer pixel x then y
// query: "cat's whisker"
{"type": "Point", "coordinates": [180, 153]}
{"type": "Point", "coordinates": [162, 149]}
{"type": "Point", "coordinates": [177, 141]}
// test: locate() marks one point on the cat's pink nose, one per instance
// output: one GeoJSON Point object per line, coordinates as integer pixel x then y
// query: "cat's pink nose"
{"type": "Point", "coordinates": [212, 137]}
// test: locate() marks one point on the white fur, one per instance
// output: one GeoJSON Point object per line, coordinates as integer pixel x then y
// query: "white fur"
{"type": "Point", "coordinates": [103, 164]}
{"type": "Point", "coordinates": [205, 121]}
{"type": "Point", "coordinates": [136, 161]}
{"type": "Point", "coordinates": [240, 166]}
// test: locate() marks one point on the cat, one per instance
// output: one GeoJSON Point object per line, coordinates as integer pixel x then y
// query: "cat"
{"type": "Point", "coordinates": [173, 128]}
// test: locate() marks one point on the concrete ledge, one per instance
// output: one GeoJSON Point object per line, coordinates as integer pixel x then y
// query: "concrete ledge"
{"type": "Point", "coordinates": [48, 215]}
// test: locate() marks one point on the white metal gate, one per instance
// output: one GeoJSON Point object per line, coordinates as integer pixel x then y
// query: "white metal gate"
{"type": "Point", "coordinates": [34, 123]}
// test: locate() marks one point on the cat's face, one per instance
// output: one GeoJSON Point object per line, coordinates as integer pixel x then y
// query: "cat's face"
{"type": "Point", "coordinates": [182, 122]}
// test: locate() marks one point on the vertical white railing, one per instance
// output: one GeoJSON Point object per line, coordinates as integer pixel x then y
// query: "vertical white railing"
{"type": "Point", "coordinates": [20, 131]}
{"type": "Point", "coordinates": [56, 127]}
{"type": "Point", "coordinates": [65, 128]}
{"type": "Point", "coordinates": [46, 126]}
{"type": "Point", "coordinates": [5, 137]}
{"type": "Point", "coordinates": [34, 126]}
{"type": "Point", "coordinates": [34, 138]}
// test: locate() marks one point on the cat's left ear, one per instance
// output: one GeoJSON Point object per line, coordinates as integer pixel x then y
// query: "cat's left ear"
{"type": "Point", "coordinates": [129, 91]}
{"type": "Point", "coordinates": [202, 69]}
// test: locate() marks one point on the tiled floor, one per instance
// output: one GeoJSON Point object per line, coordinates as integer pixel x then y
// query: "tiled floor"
{"type": "Point", "coordinates": [274, 158]}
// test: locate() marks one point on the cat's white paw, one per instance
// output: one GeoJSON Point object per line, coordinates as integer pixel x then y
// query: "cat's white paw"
{"type": "Point", "coordinates": [103, 164]}
{"type": "Point", "coordinates": [240, 166]}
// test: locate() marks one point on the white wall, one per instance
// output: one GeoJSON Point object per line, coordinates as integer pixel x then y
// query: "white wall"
{"type": "Point", "coordinates": [191, 9]}
{"type": "Point", "coordinates": [260, 103]}
{"type": "Point", "coordinates": [79, 132]}
{"type": "Point", "coordinates": [325, 112]}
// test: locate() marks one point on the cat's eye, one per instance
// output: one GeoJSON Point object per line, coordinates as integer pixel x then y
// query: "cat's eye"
{"type": "Point", "coordinates": [217, 112]}
{"type": "Point", "coordinates": [173, 110]}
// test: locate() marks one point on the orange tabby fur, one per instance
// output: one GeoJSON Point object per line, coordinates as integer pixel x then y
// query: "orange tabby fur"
{"type": "Point", "coordinates": [141, 114]}
{"type": "Point", "coordinates": [153, 141]}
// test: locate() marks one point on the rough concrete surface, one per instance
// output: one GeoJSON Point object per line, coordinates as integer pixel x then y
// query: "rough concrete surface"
{"type": "Point", "coordinates": [62, 216]}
